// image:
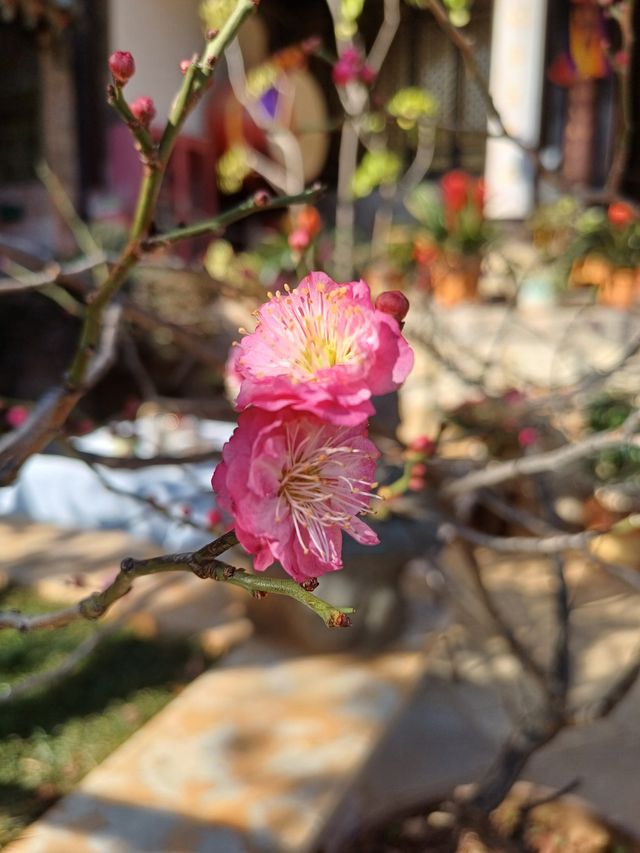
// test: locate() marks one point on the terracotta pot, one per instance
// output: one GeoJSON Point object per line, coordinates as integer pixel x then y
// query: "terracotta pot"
{"type": "Point", "coordinates": [590, 271]}
{"type": "Point", "coordinates": [454, 279]}
{"type": "Point", "coordinates": [621, 289]}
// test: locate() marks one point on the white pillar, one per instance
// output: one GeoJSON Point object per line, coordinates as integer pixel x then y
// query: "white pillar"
{"type": "Point", "coordinates": [516, 78]}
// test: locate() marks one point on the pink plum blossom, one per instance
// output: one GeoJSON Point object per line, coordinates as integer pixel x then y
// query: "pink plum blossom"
{"type": "Point", "coordinates": [321, 348]}
{"type": "Point", "coordinates": [293, 483]}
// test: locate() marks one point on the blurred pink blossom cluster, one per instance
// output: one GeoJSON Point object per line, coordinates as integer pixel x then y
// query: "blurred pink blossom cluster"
{"type": "Point", "coordinates": [351, 66]}
{"type": "Point", "coordinates": [300, 468]}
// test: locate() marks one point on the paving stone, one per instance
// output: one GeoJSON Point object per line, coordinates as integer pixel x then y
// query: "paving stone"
{"type": "Point", "coordinates": [247, 759]}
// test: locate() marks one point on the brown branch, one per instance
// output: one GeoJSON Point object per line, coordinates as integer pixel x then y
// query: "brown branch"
{"type": "Point", "coordinates": [523, 742]}
{"type": "Point", "coordinates": [518, 649]}
{"type": "Point", "coordinates": [471, 64]}
{"type": "Point", "coordinates": [97, 604]}
{"type": "Point", "coordinates": [134, 463]}
{"type": "Point", "coordinates": [620, 688]}
{"type": "Point", "coordinates": [451, 528]}
{"type": "Point", "coordinates": [52, 410]}
{"type": "Point", "coordinates": [546, 461]}
{"type": "Point", "coordinates": [51, 273]}
{"type": "Point", "coordinates": [148, 502]}
{"type": "Point", "coordinates": [50, 414]}
{"type": "Point", "coordinates": [39, 680]}
{"type": "Point", "coordinates": [204, 564]}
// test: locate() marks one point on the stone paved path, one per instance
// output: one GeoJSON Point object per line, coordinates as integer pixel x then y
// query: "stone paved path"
{"type": "Point", "coordinates": [248, 758]}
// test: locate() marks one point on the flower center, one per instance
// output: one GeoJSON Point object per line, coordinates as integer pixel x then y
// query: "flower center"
{"type": "Point", "coordinates": [309, 330]}
{"type": "Point", "coordinates": [321, 487]}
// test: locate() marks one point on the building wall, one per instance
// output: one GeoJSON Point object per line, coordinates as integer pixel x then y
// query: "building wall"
{"type": "Point", "coordinates": [159, 34]}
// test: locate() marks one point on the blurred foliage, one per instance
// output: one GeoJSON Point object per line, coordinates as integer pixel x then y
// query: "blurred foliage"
{"type": "Point", "coordinates": [452, 214]}
{"type": "Point", "coordinates": [604, 412]}
{"type": "Point", "coordinates": [233, 168]}
{"type": "Point", "coordinates": [408, 106]}
{"type": "Point", "coordinates": [553, 225]}
{"type": "Point", "coordinates": [599, 231]}
{"type": "Point", "coordinates": [375, 169]}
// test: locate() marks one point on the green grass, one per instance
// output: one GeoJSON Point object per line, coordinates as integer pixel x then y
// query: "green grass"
{"type": "Point", "coordinates": [51, 739]}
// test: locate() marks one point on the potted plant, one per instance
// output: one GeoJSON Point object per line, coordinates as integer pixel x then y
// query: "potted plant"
{"type": "Point", "coordinates": [606, 254]}
{"type": "Point", "coordinates": [452, 235]}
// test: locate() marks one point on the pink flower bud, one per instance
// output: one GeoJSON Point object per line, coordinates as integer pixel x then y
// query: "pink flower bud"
{"type": "Point", "coordinates": [185, 65]}
{"type": "Point", "coordinates": [416, 484]}
{"type": "Point", "coordinates": [393, 302]}
{"type": "Point", "coordinates": [261, 198]}
{"type": "Point", "coordinates": [122, 66]}
{"type": "Point", "coordinates": [422, 444]}
{"type": "Point", "coordinates": [527, 436]}
{"type": "Point", "coordinates": [17, 415]}
{"type": "Point", "coordinates": [213, 518]}
{"type": "Point", "coordinates": [299, 240]}
{"type": "Point", "coordinates": [144, 110]}
{"type": "Point", "coordinates": [343, 73]}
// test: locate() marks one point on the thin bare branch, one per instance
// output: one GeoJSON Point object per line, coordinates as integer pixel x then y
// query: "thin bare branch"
{"type": "Point", "coordinates": [385, 36]}
{"type": "Point", "coordinates": [605, 704]}
{"type": "Point", "coordinates": [518, 649]}
{"type": "Point", "coordinates": [52, 273]}
{"type": "Point", "coordinates": [39, 680]}
{"type": "Point", "coordinates": [450, 529]}
{"type": "Point", "coordinates": [550, 460]}
{"type": "Point", "coordinates": [204, 564]}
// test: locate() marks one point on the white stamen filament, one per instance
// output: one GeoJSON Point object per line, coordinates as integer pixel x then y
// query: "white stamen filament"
{"type": "Point", "coordinates": [316, 495]}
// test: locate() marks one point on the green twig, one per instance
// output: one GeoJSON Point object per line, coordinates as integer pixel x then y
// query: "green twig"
{"type": "Point", "coordinates": [332, 616]}
{"type": "Point", "coordinates": [143, 138]}
{"type": "Point", "coordinates": [203, 563]}
{"type": "Point", "coordinates": [241, 211]}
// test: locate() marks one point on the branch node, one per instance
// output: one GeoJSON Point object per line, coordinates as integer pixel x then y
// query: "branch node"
{"type": "Point", "coordinates": [127, 566]}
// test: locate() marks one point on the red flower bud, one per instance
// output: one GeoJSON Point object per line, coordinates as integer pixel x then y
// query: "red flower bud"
{"type": "Point", "coordinates": [308, 219]}
{"type": "Point", "coordinates": [121, 66]}
{"type": "Point", "coordinates": [422, 444]}
{"type": "Point", "coordinates": [393, 302]}
{"type": "Point", "coordinates": [620, 214]}
{"type": "Point", "coordinates": [144, 110]}
{"type": "Point", "coordinates": [185, 65]}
